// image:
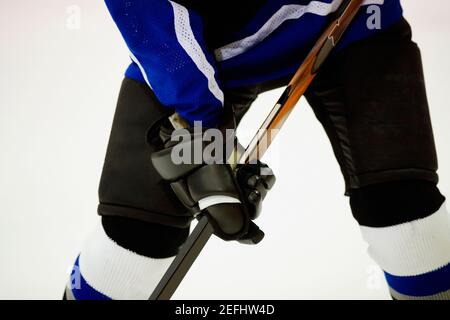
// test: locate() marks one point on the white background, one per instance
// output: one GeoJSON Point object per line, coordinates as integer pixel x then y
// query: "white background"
{"type": "Point", "coordinates": [58, 89]}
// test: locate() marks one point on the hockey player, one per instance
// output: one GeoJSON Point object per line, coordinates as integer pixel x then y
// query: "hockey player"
{"type": "Point", "coordinates": [208, 62]}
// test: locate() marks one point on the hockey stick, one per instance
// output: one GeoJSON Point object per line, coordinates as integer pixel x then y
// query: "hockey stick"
{"type": "Point", "coordinates": [262, 140]}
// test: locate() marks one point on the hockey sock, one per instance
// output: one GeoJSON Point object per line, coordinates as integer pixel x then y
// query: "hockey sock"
{"type": "Point", "coordinates": [123, 259]}
{"type": "Point", "coordinates": [407, 227]}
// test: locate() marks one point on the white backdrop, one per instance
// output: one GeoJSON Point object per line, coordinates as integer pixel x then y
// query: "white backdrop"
{"type": "Point", "coordinates": [58, 89]}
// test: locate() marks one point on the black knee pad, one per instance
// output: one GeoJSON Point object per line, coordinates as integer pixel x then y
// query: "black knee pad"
{"type": "Point", "coordinates": [393, 203]}
{"type": "Point", "coordinates": [130, 186]}
{"type": "Point", "coordinates": [146, 239]}
{"type": "Point", "coordinates": [372, 102]}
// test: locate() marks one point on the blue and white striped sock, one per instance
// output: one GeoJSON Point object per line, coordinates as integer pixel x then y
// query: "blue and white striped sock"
{"type": "Point", "coordinates": [104, 270]}
{"type": "Point", "coordinates": [415, 256]}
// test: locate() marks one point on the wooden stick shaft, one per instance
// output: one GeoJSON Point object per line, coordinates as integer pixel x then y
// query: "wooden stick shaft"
{"type": "Point", "coordinates": [300, 83]}
{"type": "Point", "coordinates": [262, 140]}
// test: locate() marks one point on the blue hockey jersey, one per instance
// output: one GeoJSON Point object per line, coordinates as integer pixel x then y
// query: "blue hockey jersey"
{"type": "Point", "coordinates": [189, 51]}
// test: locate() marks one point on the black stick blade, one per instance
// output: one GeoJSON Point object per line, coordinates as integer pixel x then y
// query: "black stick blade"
{"type": "Point", "coordinates": [184, 260]}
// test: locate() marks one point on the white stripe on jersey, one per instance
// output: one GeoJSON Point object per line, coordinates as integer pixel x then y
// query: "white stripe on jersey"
{"type": "Point", "coordinates": [187, 40]}
{"type": "Point", "coordinates": [144, 74]}
{"type": "Point", "coordinates": [286, 12]}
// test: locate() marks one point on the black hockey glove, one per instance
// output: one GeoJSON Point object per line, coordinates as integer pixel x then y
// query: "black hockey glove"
{"type": "Point", "coordinates": [230, 198]}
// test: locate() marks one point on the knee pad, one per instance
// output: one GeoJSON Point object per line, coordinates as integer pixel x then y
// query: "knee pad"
{"type": "Point", "coordinates": [407, 228]}
{"type": "Point", "coordinates": [130, 186]}
{"type": "Point", "coordinates": [372, 102]}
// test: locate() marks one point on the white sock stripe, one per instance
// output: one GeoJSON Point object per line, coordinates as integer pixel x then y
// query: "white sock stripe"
{"type": "Point", "coordinates": [213, 200]}
{"type": "Point", "coordinates": [187, 40]}
{"type": "Point", "coordinates": [117, 272]}
{"type": "Point", "coordinates": [286, 12]}
{"type": "Point", "coordinates": [443, 296]}
{"type": "Point", "coordinates": [411, 248]}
